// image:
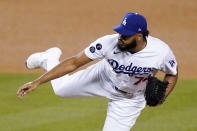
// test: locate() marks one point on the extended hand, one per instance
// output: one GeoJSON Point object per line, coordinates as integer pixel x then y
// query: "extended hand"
{"type": "Point", "coordinates": [26, 88]}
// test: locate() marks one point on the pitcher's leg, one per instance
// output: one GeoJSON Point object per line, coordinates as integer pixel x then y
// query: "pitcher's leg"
{"type": "Point", "coordinates": [80, 84]}
{"type": "Point", "coordinates": [122, 114]}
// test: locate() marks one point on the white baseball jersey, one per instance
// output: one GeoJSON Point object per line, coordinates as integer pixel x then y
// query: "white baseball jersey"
{"type": "Point", "coordinates": [129, 72]}
{"type": "Point", "coordinates": [126, 71]}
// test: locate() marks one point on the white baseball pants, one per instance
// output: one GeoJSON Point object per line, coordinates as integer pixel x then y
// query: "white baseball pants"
{"type": "Point", "coordinates": [122, 111]}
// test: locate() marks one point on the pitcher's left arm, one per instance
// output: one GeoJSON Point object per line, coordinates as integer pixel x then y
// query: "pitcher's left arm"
{"type": "Point", "coordinates": [172, 79]}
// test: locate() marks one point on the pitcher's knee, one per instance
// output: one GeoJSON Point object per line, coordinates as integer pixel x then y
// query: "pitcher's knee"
{"type": "Point", "coordinates": [59, 91]}
{"type": "Point", "coordinates": [62, 91]}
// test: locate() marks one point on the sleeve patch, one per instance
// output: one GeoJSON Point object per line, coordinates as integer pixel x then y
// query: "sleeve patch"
{"type": "Point", "coordinates": [98, 46]}
{"type": "Point", "coordinates": [92, 49]}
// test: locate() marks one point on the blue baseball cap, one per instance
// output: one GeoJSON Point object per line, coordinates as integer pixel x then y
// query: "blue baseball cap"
{"type": "Point", "coordinates": [131, 24]}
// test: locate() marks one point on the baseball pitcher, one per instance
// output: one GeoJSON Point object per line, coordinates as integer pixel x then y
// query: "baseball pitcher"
{"type": "Point", "coordinates": [129, 60]}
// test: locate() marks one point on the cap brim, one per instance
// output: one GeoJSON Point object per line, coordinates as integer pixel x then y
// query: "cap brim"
{"type": "Point", "coordinates": [123, 31]}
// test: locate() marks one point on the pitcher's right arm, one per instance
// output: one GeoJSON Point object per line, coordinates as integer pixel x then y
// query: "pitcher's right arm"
{"type": "Point", "coordinates": [65, 67]}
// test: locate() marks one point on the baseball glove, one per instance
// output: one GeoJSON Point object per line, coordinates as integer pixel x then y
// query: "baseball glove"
{"type": "Point", "coordinates": [155, 91]}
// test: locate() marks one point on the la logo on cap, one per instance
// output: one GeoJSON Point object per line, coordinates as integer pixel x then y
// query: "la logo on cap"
{"type": "Point", "coordinates": [131, 24]}
{"type": "Point", "coordinates": [124, 22]}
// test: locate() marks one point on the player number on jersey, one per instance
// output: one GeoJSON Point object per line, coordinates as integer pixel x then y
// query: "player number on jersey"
{"type": "Point", "coordinates": [141, 79]}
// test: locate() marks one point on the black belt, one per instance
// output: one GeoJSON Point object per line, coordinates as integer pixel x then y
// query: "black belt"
{"type": "Point", "coordinates": [121, 91]}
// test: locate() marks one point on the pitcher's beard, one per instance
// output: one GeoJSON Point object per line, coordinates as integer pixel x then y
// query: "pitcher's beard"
{"type": "Point", "coordinates": [123, 47]}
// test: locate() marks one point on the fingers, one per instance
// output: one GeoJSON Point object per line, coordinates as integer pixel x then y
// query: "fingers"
{"type": "Point", "coordinates": [24, 90]}
{"type": "Point", "coordinates": [21, 93]}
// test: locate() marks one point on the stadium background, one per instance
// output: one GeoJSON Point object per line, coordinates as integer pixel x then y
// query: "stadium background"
{"type": "Point", "coordinates": [27, 26]}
